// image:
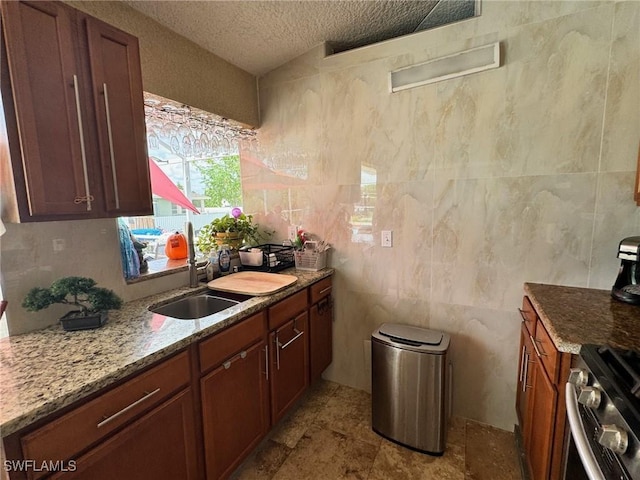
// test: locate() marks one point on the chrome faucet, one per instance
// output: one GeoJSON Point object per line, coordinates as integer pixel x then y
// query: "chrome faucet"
{"type": "Point", "coordinates": [196, 272]}
{"type": "Point", "coordinates": [191, 260]}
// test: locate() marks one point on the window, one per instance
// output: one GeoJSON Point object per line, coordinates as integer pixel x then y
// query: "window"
{"type": "Point", "coordinates": [195, 174]}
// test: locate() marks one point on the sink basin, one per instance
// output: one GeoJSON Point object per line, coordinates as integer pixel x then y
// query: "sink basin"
{"type": "Point", "coordinates": [198, 306]}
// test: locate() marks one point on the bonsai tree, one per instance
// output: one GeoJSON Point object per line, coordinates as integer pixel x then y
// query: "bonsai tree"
{"type": "Point", "coordinates": [78, 291]}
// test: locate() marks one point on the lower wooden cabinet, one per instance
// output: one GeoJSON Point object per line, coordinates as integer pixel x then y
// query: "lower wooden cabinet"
{"type": "Point", "coordinates": [235, 410]}
{"type": "Point", "coordinates": [540, 398]}
{"type": "Point", "coordinates": [320, 337]}
{"type": "Point", "coordinates": [289, 377]}
{"type": "Point", "coordinates": [197, 414]}
{"type": "Point", "coordinates": [160, 445]}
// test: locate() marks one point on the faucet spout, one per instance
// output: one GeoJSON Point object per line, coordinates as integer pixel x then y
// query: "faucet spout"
{"type": "Point", "coordinates": [191, 260]}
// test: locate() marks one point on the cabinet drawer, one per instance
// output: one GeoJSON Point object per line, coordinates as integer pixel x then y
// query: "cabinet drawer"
{"type": "Point", "coordinates": [218, 348]}
{"type": "Point", "coordinates": [66, 436]}
{"type": "Point", "coordinates": [287, 309]}
{"type": "Point", "coordinates": [544, 347]}
{"type": "Point", "coordinates": [529, 315]}
{"type": "Point", "coordinates": [320, 290]}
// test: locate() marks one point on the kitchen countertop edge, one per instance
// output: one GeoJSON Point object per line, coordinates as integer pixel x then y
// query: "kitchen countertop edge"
{"type": "Point", "coordinates": [576, 316]}
{"type": "Point", "coordinates": [28, 395]}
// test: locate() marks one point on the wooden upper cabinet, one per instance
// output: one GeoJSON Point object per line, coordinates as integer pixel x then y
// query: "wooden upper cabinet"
{"type": "Point", "coordinates": [119, 104]}
{"type": "Point", "coordinates": [70, 156]}
{"type": "Point", "coordinates": [45, 78]}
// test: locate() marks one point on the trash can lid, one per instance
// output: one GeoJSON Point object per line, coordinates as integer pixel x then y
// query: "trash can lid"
{"type": "Point", "coordinates": [422, 338]}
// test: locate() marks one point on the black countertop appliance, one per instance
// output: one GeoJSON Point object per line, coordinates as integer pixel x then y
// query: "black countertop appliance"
{"type": "Point", "coordinates": [627, 286]}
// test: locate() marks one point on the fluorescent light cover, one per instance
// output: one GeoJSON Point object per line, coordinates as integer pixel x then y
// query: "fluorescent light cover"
{"type": "Point", "coordinates": [462, 63]}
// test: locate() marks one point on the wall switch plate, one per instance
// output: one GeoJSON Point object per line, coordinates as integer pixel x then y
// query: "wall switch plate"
{"type": "Point", "coordinates": [386, 239]}
{"type": "Point", "coordinates": [59, 244]}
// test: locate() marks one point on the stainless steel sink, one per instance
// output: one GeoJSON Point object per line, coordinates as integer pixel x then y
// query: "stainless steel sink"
{"type": "Point", "coordinates": [197, 306]}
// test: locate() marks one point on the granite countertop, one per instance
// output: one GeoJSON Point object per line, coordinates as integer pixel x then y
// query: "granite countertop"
{"type": "Point", "coordinates": [46, 370]}
{"type": "Point", "coordinates": [576, 316]}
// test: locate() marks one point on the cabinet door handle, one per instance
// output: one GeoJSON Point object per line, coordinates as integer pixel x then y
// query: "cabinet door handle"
{"type": "Point", "coordinates": [88, 197]}
{"type": "Point", "coordinates": [227, 364]}
{"type": "Point", "coordinates": [147, 396]}
{"type": "Point", "coordinates": [266, 361]}
{"type": "Point", "coordinates": [277, 352]}
{"type": "Point", "coordinates": [522, 364]}
{"type": "Point", "coordinates": [526, 372]}
{"type": "Point", "coordinates": [111, 152]}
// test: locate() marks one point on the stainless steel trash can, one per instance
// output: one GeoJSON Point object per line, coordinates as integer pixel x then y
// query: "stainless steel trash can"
{"type": "Point", "coordinates": [410, 386]}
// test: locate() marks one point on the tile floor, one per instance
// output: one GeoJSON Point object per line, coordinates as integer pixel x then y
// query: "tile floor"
{"type": "Point", "coordinates": [328, 436]}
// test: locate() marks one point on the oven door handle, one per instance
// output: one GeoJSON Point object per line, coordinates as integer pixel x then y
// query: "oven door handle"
{"type": "Point", "coordinates": [579, 435]}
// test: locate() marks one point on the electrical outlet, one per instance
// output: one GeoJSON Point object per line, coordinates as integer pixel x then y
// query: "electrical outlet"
{"type": "Point", "coordinates": [293, 233]}
{"type": "Point", "coordinates": [386, 239]}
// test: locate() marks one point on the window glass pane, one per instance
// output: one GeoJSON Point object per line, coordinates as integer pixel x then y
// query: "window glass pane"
{"type": "Point", "coordinates": [197, 177]}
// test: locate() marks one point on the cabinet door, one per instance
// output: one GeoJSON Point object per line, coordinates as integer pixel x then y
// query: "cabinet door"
{"type": "Point", "coordinates": [525, 384]}
{"type": "Point", "coordinates": [543, 412]}
{"type": "Point", "coordinates": [235, 410]}
{"type": "Point", "coordinates": [320, 337]}
{"type": "Point", "coordinates": [160, 445]}
{"type": "Point", "coordinates": [119, 105]}
{"type": "Point", "coordinates": [289, 368]}
{"type": "Point", "coordinates": [46, 86]}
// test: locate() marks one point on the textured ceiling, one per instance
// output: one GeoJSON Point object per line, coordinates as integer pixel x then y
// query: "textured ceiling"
{"type": "Point", "coordinates": [259, 36]}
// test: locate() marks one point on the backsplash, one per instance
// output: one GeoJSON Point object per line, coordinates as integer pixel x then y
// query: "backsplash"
{"type": "Point", "coordinates": [523, 173]}
{"type": "Point", "coordinates": [90, 249]}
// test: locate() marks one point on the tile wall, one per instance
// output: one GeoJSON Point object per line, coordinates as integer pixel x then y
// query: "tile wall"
{"type": "Point", "coordinates": [520, 174]}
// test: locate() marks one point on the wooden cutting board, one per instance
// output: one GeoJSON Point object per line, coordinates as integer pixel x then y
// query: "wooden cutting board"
{"type": "Point", "coordinates": [252, 283]}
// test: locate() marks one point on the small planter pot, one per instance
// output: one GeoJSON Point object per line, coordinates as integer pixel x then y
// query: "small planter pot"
{"type": "Point", "coordinates": [234, 240]}
{"type": "Point", "coordinates": [74, 320]}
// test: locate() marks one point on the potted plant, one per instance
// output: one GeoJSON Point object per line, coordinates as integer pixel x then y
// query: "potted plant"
{"type": "Point", "coordinates": [233, 230]}
{"type": "Point", "coordinates": [93, 302]}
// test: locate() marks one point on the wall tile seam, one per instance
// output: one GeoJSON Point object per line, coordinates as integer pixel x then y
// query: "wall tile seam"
{"type": "Point", "coordinates": [596, 200]}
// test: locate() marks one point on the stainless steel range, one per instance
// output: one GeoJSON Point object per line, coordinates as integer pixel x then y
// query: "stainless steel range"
{"type": "Point", "coordinates": [603, 409]}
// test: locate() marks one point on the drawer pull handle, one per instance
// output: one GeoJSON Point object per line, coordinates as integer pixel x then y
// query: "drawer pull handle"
{"type": "Point", "coordinates": [535, 347]}
{"type": "Point", "coordinates": [147, 396]}
{"type": "Point", "coordinates": [227, 364]}
{"type": "Point", "coordinates": [523, 314]}
{"type": "Point", "coordinates": [325, 290]}
{"type": "Point", "coordinates": [539, 350]}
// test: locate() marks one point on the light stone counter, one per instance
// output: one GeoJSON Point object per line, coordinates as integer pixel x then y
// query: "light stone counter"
{"type": "Point", "coordinates": [46, 370]}
{"type": "Point", "coordinates": [576, 316]}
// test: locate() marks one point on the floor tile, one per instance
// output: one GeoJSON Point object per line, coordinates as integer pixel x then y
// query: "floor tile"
{"type": "Point", "coordinates": [328, 436]}
{"type": "Point", "coordinates": [349, 412]}
{"type": "Point", "coordinates": [291, 428]}
{"type": "Point", "coordinates": [457, 431]}
{"type": "Point", "coordinates": [264, 462]}
{"type": "Point", "coordinates": [490, 453]}
{"type": "Point", "coordinates": [396, 462]}
{"type": "Point", "coordinates": [323, 454]}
